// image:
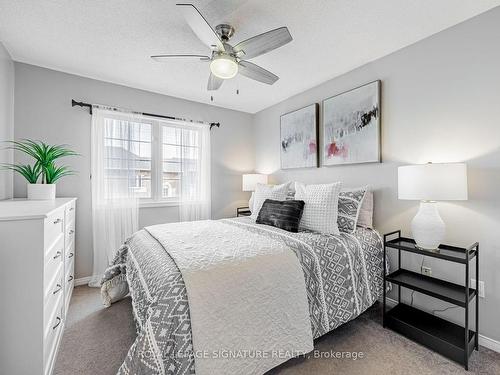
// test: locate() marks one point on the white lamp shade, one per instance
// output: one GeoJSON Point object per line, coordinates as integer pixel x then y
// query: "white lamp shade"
{"type": "Point", "coordinates": [250, 180]}
{"type": "Point", "coordinates": [433, 182]}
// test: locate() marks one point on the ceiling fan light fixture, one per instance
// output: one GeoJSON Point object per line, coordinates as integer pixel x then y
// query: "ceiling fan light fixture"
{"type": "Point", "coordinates": [224, 66]}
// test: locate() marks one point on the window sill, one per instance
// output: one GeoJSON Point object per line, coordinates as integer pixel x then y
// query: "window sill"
{"type": "Point", "coordinates": [151, 204]}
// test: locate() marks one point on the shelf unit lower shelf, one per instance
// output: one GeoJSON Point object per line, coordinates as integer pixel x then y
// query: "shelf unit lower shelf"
{"type": "Point", "coordinates": [431, 331]}
{"type": "Point", "coordinates": [444, 290]}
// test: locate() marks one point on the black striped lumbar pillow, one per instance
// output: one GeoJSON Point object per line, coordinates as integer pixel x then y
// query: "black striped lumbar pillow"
{"type": "Point", "coordinates": [281, 214]}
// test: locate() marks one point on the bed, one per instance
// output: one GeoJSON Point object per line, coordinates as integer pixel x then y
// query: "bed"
{"type": "Point", "coordinates": [342, 277]}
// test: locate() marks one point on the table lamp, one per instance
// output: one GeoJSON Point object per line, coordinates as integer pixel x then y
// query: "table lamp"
{"type": "Point", "coordinates": [250, 181]}
{"type": "Point", "coordinates": [429, 183]}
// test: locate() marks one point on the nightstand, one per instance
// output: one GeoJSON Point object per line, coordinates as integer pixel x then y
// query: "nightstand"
{"type": "Point", "coordinates": [243, 211]}
{"type": "Point", "coordinates": [449, 339]}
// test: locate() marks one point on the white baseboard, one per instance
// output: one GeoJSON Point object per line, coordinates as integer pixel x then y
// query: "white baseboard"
{"type": "Point", "coordinates": [489, 343]}
{"type": "Point", "coordinates": [82, 281]}
{"type": "Point", "coordinates": [483, 340]}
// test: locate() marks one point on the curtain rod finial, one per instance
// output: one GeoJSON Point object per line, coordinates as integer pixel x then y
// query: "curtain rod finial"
{"type": "Point", "coordinates": [212, 124]}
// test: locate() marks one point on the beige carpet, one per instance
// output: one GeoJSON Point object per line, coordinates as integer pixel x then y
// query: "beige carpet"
{"type": "Point", "coordinates": [96, 341]}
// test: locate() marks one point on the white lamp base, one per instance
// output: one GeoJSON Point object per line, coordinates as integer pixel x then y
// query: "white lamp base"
{"type": "Point", "coordinates": [427, 227]}
{"type": "Point", "coordinates": [250, 203]}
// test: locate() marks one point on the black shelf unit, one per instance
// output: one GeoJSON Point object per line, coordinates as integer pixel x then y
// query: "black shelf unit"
{"type": "Point", "coordinates": [449, 339]}
{"type": "Point", "coordinates": [243, 211]}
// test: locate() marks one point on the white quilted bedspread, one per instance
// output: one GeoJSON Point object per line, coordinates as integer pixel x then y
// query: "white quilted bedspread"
{"type": "Point", "coordinates": [247, 296]}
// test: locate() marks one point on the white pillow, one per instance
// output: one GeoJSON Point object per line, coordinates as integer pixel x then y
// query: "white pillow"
{"type": "Point", "coordinates": [321, 206]}
{"type": "Point", "coordinates": [263, 192]}
{"type": "Point", "coordinates": [365, 218]}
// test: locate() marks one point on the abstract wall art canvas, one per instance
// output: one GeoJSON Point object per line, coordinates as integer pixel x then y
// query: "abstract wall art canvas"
{"type": "Point", "coordinates": [351, 126]}
{"type": "Point", "coordinates": [299, 138]}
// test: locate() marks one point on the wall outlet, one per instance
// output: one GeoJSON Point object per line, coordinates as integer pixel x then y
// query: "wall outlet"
{"type": "Point", "coordinates": [481, 287]}
{"type": "Point", "coordinates": [426, 271]}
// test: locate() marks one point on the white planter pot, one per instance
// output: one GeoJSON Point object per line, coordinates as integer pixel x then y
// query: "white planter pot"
{"type": "Point", "coordinates": [41, 191]}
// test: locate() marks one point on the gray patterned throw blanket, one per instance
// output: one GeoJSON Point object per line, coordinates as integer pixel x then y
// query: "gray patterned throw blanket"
{"type": "Point", "coordinates": [342, 276]}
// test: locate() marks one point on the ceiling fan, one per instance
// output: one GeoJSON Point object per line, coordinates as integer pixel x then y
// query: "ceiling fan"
{"type": "Point", "coordinates": [226, 61]}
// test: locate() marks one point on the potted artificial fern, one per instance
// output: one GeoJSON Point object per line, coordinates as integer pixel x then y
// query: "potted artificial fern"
{"type": "Point", "coordinates": [44, 168]}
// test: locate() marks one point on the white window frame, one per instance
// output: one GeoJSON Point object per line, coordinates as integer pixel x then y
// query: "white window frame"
{"type": "Point", "coordinates": [157, 199]}
{"type": "Point", "coordinates": [155, 157]}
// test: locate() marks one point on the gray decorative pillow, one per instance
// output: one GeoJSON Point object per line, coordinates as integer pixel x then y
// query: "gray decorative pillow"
{"type": "Point", "coordinates": [365, 218]}
{"type": "Point", "coordinates": [263, 192]}
{"type": "Point", "coordinates": [349, 205]}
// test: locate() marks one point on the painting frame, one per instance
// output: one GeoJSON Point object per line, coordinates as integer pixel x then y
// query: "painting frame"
{"type": "Point", "coordinates": [315, 131]}
{"type": "Point", "coordinates": [378, 126]}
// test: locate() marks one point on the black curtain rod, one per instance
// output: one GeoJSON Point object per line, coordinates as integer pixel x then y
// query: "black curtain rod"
{"type": "Point", "coordinates": [89, 106]}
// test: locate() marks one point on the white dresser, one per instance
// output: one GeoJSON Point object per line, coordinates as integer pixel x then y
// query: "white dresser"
{"type": "Point", "coordinates": [37, 252]}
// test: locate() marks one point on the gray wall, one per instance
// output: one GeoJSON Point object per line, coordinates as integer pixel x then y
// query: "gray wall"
{"type": "Point", "coordinates": [43, 111]}
{"type": "Point", "coordinates": [440, 103]}
{"type": "Point", "coordinates": [6, 118]}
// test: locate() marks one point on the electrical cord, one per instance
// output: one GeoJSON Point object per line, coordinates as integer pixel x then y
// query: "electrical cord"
{"type": "Point", "coordinates": [436, 310]}
{"type": "Point", "coordinates": [413, 291]}
{"type": "Point", "coordinates": [446, 309]}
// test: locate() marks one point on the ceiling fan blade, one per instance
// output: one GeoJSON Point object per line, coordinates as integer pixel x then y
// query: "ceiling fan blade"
{"type": "Point", "coordinates": [263, 43]}
{"type": "Point", "coordinates": [214, 82]}
{"type": "Point", "coordinates": [200, 26]}
{"type": "Point", "coordinates": [163, 58]}
{"type": "Point", "coordinates": [257, 73]}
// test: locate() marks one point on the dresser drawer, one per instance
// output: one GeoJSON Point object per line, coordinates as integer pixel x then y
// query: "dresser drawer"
{"type": "Point", "coordinates": [70, 273]}
{"type": "Point", "coordinates": [70, 283]}
{"type": "Point", "coordinates": [70, 254]}
{"type": "Point", "coordinates": [53, 261]}
{"type": "Point", "coordinates": [70, 212]}
{"type": "Point", "coordinates": [52, 333]}
{"type": "Point", "coordinates": [69, 286]}
{"type": "Point", "coordinates": [70, 233]}
{"type": "Point", "coordinates": [53, 227]}
{"type": "Point", "coordinates": [51, 296]}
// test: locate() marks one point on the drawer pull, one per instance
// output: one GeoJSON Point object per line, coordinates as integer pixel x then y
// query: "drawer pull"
{"type": "Point", "coordinates": [70, 279]}
{"type": "Point", "coordinates": [58, 322]}
{"type": "Point", "coordinates": [57, 221]}
{"type": "Point", "coordinates": [59, 288]}
{"type": "Point", "coordinates": [71, 255]}
{"type": "Point", "coordinates": [58, 254]}
{"type": "Point", "coordinates": [71, 231]}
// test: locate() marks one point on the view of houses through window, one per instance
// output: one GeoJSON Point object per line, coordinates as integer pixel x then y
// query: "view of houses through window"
{"type": "Point", "coordinates": [152, 155]}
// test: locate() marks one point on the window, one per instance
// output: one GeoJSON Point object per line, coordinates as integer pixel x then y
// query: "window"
{"type": "Point", "coordinates": [158, 158]}
{"type": "Point", "coordinates": [128, 154]}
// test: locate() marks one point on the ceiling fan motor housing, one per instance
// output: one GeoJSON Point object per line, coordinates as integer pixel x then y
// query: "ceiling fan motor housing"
{"type": "Point", "coordinates": [224, 31]}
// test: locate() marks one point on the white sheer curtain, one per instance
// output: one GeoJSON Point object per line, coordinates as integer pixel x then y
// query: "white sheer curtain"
{"type": "Point", "coordinates": [195, 197]}
{"type": "Point", "coordinates": [114, 202]}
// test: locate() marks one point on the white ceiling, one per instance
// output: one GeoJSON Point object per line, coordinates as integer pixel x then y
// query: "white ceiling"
{"type": "Point", "coordinates": [112, 40]}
